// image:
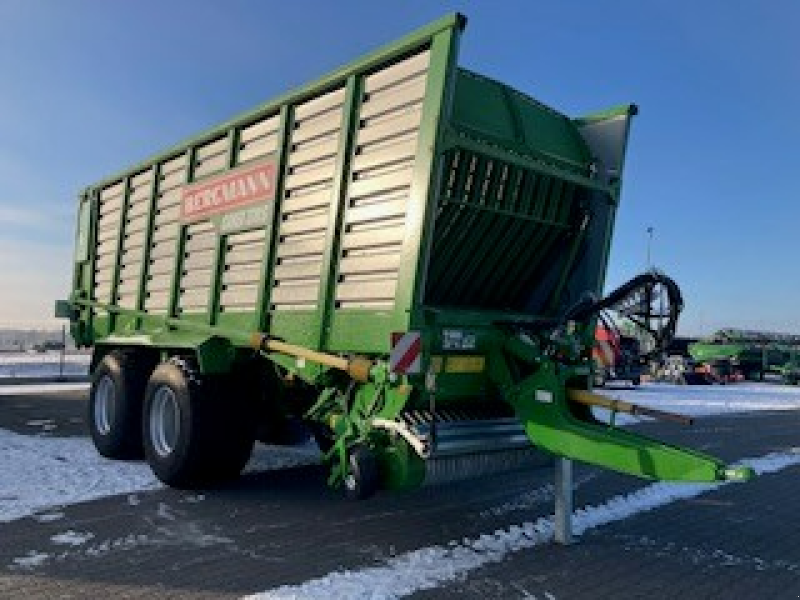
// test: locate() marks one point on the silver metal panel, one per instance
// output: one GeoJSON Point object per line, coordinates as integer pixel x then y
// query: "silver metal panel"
{"type": "Point", "coordinates": [210, 165]}
{"type": "Point", "coordinates": [127, 286]}
{"type": "Point", "coordinates": [321, 172]}
{"type": "Point", "coordinates": [370, 264]}
{"type": "Point", "coordinates": [246, 237]}
{"type": "Point", "coordinates": [196, 278]}
{"type": "Point", "coordinates": [134, 239]}
{"type": "Point", "coordinates": [259, 129]}
{"type": "Point", "coordinates": [394, 99]}
{"type": "Point", "coordinates": [157, 301]}
{"type": "Point", "coordinates": [316, 129]}
{"type": "Point", "coordinates": [200, 241]}
{"type": "Point", "coordinates": [111, 205]}
{"type": "Point", "coordinates": [142, 180]}
{"type": "Point", "coordinates": [108, 246]}
{"type": "Point", "coordinates": [239, 296]}
{"type": "Point", "coordinates": [249, 274]}
{"type": "Point", "coordinates": [395, 208]}
{"type": "Point", "coordinates": [301, 247]}
{"type": "Point", "coordinates": [103, 276]}
{"type": "Point", "coordinates": [353, 291]}
{"type": "Point", "coordinates": [406, 69]}
{"type": "Point", "coordinates": [320, 198]}
{"type": "Point", "coordinates": [209, 149]}
{"type": "Point", "coordinates": [401, 152]}
{"type": "Point", "coordinates": [298, 269]}
{"type": "Point", "coordinates": [319, 150]}
{"type": "Point", "coordinates": [295, 294]}
{"type": "Point", "coordinates": [394, 125]}
{"type": "Point", "coordinates": [380, 183]}
{"type": "Point", "coordinates": [112, 191]}
{"type": "Point", "coordinates": [103, 235]}
{"type": "Point", "coordinates": [168, 214]}
{"type": "Point", "coordinates": [165, 249]}
{"type": "Point", "coordinates": [170, 181]}
{"type": "Point", "coordinates": [374, 237]}
{"type": "Point", "coordinates": [199, 260]}
{"type": "Point", "coordinates": [195, 300]}
{"type": "Point", "coordinates": [163, 233]}
{"type": "Point", "coordinates": [127, 300]}
{"type": "Point", "coordinates": [244, 254]}
{"type": "Point", "coordinates": [136, 222]}
{"type": "Point", "coordinates": [105, 262]}
{"type": "Point", "coordinates": [159, 281]}
{"type": "Point", "coordinates": [305, 224]}
{"type": "Point", "coordinates": [320, 104]}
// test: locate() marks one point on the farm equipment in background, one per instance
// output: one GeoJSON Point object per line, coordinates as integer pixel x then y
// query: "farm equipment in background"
{"type": "Point", "coordinates": [403, 258]}
{"type": "Point", "coordinates": [616, 356]}
{"type": "Point", "coordinates": [736, 354]}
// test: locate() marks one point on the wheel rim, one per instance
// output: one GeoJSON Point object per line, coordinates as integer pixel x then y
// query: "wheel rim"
{"type": "Point", "coordinates": [164, 421]}
{"type": "Point", "coordinates": [104, 405]}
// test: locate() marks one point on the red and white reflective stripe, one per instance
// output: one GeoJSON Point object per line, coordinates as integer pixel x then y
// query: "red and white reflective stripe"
{"type": "Point", "coordinates": [406, 354]}
{"type": "Point", "coordinates": [604, 353]}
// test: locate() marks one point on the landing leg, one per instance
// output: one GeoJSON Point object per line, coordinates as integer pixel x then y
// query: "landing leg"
{"type": "Point", "coordinates": [563, 514]}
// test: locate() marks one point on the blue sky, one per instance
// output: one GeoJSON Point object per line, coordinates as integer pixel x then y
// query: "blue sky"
{"type": "Point", "coordinates": [90, 86]}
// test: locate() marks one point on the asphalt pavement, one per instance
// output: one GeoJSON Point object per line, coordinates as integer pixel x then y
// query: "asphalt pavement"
{"type": "Point", "coordinates": [286, 527]}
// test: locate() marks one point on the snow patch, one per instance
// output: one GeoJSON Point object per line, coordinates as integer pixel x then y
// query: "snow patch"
{"type": "Point", "coordinates": [42, 473]}
{"type": "Point", "coordinates": [428, 568]}
{"type": "Point", "coordinates": [31, 560]}
{"type": "Point", "coordinates": [71, 538]}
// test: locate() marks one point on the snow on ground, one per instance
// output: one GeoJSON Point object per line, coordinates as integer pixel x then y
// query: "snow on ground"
{"type": "Point", "coordinates": [431, 567]}
{"type": "Point", "coordinates": [22, 364]}
{"type": "Point", "coordinates": [37, 474]}
{"type": "Point", "coordinates": [703, 400]}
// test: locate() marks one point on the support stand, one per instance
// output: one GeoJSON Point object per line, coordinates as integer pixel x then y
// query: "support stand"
{"type": "Point", "coordinates": [563, 513]}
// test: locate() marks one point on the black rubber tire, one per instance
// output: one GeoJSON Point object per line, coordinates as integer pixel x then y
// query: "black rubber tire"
{"type": "Point", "coordinates": [194, 436]}
{"type": "Point", "coordinates": [114, 411]}
{"type": "Point", "coordinates": [361, 480]}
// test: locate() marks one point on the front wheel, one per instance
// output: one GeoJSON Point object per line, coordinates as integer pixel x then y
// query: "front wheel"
{"type": "Point", "coordinates": [361, 479]}
{"type": "Point", "coordinates": [115, 406]}
{"type": "Point", "coordinates": [194, 436]}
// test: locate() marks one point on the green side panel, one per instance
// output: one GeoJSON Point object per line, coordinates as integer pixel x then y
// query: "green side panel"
{"type": "Point", "coordinates": [362, 331]}
{"type": "Point", "coordinates": [242, 321]}
{"type": "Point", "coordinates": [297, 327]}
{"type": "Point", "coordinates": [498, 113]}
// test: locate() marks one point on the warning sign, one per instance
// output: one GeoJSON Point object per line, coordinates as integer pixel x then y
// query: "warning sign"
{"type": "Point", "coordinates": [406, 354]}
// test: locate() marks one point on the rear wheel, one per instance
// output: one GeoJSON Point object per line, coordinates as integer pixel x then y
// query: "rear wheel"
{"type": "Point", "coordinates": [115, 406]}
{"type": "Point", "coordinates": [194, 435]}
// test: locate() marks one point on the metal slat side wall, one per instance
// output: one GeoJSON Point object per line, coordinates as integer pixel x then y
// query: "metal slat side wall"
{"type": "Point", "coordinates": [338, 199]}
{"type": "Point", "coordinates": [136, 226]}
{"type": "Point", "coordinates": [383, 160]}
{"type": "Point", "coordinates": [91, 314]}
{"type": "Point", "coordinates": [176, 274]}
{"type": "Point", "coordinates": [439, 89]}
{"type": "Point", "coordinates": [165, 232]}
{"type": "Point", "coordinates": [151, 222]}
{"type": "Point", "coordinates": [215, 286]}
{"type": "Point", "coordinates": [241, 254]}
{"type": "Point", "coordinates": [269, 250]}
{"type": "Point", "coordinates": [305, 208]}
{"type": "Point", "coordinates": [108, 241]}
